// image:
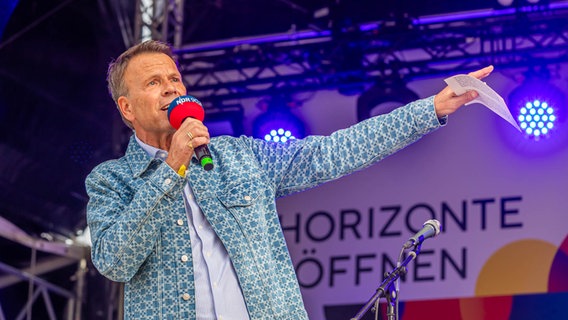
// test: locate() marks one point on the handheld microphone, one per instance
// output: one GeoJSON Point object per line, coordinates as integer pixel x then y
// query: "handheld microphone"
{"type": "Point", "coordinates": [184, 107]}
{"type": "Point", "coordinates": [430, 229]}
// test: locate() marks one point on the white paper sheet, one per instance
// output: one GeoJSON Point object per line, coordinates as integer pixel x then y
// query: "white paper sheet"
{"type": "Point", "coordinates": [462, 83]}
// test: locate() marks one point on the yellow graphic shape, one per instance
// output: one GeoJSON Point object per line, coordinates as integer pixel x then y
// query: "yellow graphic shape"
{"type": "Point", "coordinates": [519, 267]}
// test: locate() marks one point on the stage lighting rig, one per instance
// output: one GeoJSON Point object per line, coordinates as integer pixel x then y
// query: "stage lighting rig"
{"type": "Point", "coordinates": [538, 106]}
{"type": "Point", "coordinates": [278, 123]}
{"type": "Point", "coordinates": [384, 97]}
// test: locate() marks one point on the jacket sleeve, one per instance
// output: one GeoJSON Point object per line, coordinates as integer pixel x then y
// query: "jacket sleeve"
{"type": "Point", "coordinates": [125, 216]}
{"type": "Point", "coordinates": [306, 163]}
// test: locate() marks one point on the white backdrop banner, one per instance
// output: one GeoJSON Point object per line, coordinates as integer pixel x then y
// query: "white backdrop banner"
{"type": "Point", "coordinates": [501, 200]}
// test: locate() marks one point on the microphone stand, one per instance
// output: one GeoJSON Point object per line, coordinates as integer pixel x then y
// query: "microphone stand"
{"type": "Point", "coordinates": [386, 289]}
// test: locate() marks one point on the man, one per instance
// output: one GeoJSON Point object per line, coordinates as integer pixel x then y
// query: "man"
{"type": "Point", "coordinates": [202, 244]}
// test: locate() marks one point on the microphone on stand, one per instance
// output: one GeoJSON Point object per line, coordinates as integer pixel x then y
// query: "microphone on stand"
{"type": "Point", "coordinates": [430, 229]}
{"type": "Point", "coordinates": [184, 107]}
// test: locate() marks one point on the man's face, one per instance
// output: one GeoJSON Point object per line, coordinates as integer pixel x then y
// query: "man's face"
{"type": "Point", "coordinates": [153, 81]}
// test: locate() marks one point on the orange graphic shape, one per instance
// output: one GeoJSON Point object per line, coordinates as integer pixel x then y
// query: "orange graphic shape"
{"type": "Point", "coordinates": [517, 268]}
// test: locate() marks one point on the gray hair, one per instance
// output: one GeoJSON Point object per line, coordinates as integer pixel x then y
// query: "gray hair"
{"type": "Point", "coordinates": [115, 75]}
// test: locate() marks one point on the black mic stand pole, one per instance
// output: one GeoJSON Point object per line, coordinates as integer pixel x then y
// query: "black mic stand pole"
{"type": "Point", "coordinates": [386, 288]}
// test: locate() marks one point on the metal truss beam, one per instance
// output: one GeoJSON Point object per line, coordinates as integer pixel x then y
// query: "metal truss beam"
{"type": "Point", "coordinates": [159, 20]}
{"type": "Point", "coordinates": [428, 46]}
{"type": "Point", "coordinates": [65, 254]}
{"type": "Point", "coordinates": [153, 19]}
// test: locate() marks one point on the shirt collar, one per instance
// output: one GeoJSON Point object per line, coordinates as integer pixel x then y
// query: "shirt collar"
{"type": "Point", "coordinates": [153, 152]}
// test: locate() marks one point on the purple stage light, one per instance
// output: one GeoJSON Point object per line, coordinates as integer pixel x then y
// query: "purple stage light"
{"type": "Point", "coordinates": [278, 123]}
{"type": "Point", "coordinates": [538, 107]}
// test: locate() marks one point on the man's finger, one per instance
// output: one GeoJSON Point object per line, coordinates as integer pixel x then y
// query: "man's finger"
{"type": "Point", "coordinates": [466, 97]}
{"type": "Point", "coordinates": [482, 73]}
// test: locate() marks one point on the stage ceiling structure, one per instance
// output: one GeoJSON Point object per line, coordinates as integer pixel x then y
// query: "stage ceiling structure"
{"type": "Point", "coordinates": [357, 43]}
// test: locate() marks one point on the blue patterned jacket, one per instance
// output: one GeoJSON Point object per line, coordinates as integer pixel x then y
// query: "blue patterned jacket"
{"type": "Point", "coordinates": [136, 202]}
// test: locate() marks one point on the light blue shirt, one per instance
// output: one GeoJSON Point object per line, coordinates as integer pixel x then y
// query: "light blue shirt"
{"type": "Point", "coordinates": [217, 291]}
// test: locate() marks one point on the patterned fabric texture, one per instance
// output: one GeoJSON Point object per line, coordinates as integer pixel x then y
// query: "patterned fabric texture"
{"type": "Point", "coordinates": [136, 202]}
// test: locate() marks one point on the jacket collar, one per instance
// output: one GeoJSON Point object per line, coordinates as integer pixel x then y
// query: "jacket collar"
{"type": "Point", "coordinates": [136, 157]}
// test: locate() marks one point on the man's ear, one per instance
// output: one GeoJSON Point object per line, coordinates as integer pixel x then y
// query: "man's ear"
{"type": "Point", "coordinates": [125, 108]}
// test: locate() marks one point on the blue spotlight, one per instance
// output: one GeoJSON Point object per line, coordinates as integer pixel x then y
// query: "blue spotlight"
{"type": "Point", "coordinates": [279, 135]}
{"type": "Point", "coordinates": [537, 118]}
{"type": "Point", "coordinates": [538, 106]}
{"type": "Point", "coordinates": [278, 123]}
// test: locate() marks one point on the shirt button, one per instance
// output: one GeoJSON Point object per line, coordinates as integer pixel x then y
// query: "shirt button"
{"type": "Point", "coordinates": [184, 258]}
{"type": "Point", "coordinates": [247, 198]}
{"type": "Point", "coordinates": [180, 222]}
{"type": "Point", "coordinates": [167, 181]}
{"type": "Point", "coordinates": [186, 296]}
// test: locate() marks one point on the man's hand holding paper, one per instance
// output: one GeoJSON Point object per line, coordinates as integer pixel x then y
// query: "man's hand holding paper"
{"type": "Point", "coordinates": [462, 84]}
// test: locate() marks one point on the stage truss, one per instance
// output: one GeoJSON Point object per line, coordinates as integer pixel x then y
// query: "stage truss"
{"type": "Point", "coordinates": [70, 256]}
{"type": "Point", "coordinates": [375, 52]}
{"type": "Point", "coordinates": [363, 54]}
